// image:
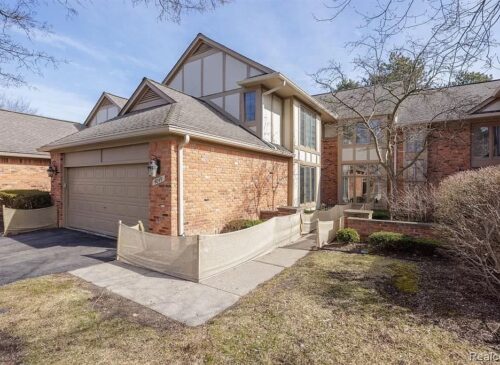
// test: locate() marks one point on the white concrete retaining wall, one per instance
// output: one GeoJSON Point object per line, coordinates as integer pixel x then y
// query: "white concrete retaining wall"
{"type": "Point", "coordinates": [199, 257]}
{"type": "Point", "coordinates": [224, 251]}
{"type": "Point", "coordinates": [330, 221]}
{"type": "Point", "coordinates": [309, 222]}
{"type": "Point", "coordinates": [28, 220]}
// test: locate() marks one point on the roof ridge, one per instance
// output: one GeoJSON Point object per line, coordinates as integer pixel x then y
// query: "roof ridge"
{"type": "Point", "coordinates": [38, 116]}
{"type": "Point", "coordinates": [117, 96]}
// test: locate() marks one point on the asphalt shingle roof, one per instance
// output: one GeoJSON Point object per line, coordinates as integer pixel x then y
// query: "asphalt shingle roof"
{"type": "Point", "coordinates": [187, 112]}
{"type": "Point", "coordinates": [118, 100]}
{"type": "Point", "coordinates": [433, 104]}
{"type": "Point", "coordinates": [24, 133]}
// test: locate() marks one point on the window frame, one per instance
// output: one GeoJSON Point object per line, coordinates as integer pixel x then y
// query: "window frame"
{"type": "Point", "coordinates": [312, 177]}
{"type": "Point", "coordinates": [302, 131]}
{"type": "Point", "coordinates": [254, 92]}
{"type": "Point", "coordinates": [477, 161]}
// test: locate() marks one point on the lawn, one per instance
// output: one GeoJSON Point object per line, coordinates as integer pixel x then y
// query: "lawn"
{"type": "Point", "coordinates": [331, 307]}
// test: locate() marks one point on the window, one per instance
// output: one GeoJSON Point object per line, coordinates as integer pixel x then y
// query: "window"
{"type": "Point", "coordinates": [362, 134]}
{"type": "Point", "coordinates": [480, 142]}
{"type": "Point", "coordinates": [363, 183]}
{"type": "Point", "coordinates": [307, 184]}
{"type": "Point", "coordinates": [486, 145]}
{"type": "Point", "coordinates": [307, 128]}
{"type": "Point", "coordinates": [249, 100]}
{"type": "Point", "coordinates": [415, 142]}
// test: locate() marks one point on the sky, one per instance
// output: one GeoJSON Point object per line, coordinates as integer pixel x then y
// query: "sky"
{"type": "Point", "coordinates": [111, 45]}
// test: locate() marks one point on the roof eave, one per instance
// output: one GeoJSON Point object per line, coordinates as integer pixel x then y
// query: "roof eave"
{"type": "Point", "coordinates": [28, 155]}
{"type": "Point", "coordinates": [326, 115]}
{"type": "Point", "coordinates": [164, 130]}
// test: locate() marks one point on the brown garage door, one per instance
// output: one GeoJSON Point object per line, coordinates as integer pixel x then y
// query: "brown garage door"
{"type": "Point", "coordinates": [100, 196]}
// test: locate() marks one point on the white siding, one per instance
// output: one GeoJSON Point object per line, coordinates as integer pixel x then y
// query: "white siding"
{"type": "Point", "coordinates": [276, 119]}
{"type": "Point", "coordinates": [218, 101]}
{"type": "Point", "coordinates": [235, 71]}
{"type": "Point", "coordinates": [254, 72]}
{"type": "Point", "coordinates": [232, 105]}
{"type": "Point", "coordinates": [266, 117]}
{"type": "Point", "coordinates": [192, 78]}
{"type": "Point", "coordinates": [177, 81]}
{"type": "Point", "coordinates": [212, 74]}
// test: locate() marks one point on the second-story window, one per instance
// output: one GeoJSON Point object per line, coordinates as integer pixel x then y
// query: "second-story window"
{"type": "Point", "coordinates": [249, 100]}
{"type": "Point", "coordinates": [307, 124]}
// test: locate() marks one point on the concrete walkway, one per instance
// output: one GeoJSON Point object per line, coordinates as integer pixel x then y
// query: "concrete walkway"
{"type": "Point", "coordinates": [187, 302]}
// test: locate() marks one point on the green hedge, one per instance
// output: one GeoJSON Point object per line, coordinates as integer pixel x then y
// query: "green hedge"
{"type": "Point", "coordinates": [397, 242]}
{"type": "Point", "coordinates": [25, 199]}
{"type": "Point", "coordinates": [240, 224]}
{"type": "Point", "coordinates": [381, 214]}
{"type": "Point", "coordinates": [347, 235]}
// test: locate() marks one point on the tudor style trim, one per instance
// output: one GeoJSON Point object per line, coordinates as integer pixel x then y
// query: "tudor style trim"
{"type": "Point", "coordinates": [104, 95]}
{"type": "Point", "coordinates": [200, 39]}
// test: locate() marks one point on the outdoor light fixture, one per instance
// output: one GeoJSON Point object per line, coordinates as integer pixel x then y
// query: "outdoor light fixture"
{"type": "Point", "coordinates": [52, 170]}
{"type": "Point", "coordinates": [154, 167]}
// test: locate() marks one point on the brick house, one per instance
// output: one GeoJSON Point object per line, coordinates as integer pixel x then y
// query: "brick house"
{"type": "Point", "coordinates": [226, 136]}
{"type": "Point", "coordinates": [229, 137]}
{"type": "Point", "coordinates": [464, 134]}
{"type": "Point", "coordinates": [22, 166]}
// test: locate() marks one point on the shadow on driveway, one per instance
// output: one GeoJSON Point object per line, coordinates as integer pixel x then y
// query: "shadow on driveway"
{"type": "Point", "coordinates": [51, 251]}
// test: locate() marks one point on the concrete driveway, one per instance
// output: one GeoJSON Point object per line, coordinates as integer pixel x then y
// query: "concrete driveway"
{"type": "Point", "coordinates": [51, 251]}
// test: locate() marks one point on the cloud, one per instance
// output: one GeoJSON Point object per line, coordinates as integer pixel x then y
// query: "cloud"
{"type": "Point", "coordinates": [54, 103]}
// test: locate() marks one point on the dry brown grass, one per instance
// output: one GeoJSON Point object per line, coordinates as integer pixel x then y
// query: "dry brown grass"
{"type": "Point", "coordinates": [331, 307]}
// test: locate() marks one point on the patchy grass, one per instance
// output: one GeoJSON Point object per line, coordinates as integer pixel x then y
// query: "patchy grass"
{"type": "Point", "coordinates": [331, 307]}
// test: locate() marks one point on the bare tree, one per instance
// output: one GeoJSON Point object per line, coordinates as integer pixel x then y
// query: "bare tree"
{"type": "Point", "coordinates": [173, 10]}
{"type": "Point", "coordinates": [20, 23]}
{"type": "Point", "coordinates": [408, 75]}
{"type": "Point", "coordinates": [16, 105]}
{"type": "Point", "coordinates": [278, 177]}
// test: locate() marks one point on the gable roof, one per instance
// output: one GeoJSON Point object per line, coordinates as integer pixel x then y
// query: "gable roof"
{"type": "Point", "coordinates": [22, 134]}
{"type": "Point", "coordinates": [440, 104]}
{"type": "Point", "coordinates": [113, 99]}
{"type": "Point", "coordinates": [139, 91]}
{"type": "Point", "coordinates": [184, 115]}
{"type": "Point", "coordinates": [202, 39]}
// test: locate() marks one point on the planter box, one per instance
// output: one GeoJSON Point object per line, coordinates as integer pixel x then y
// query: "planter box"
{"type": "Point", "coordinates": [309, 222]}
{"type": "Point", "coordinates": [27, 220]}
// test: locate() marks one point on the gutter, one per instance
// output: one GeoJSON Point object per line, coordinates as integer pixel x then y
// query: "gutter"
{"type": "Point", "coordinates": [163, 131]}
{"type": "Point", "coordinates": [180, 185]}
{"type": "Point", "coordinates": [27, 155]}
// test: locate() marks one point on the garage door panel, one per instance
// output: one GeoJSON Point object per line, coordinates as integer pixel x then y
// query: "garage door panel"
{"type": "Point", "coordinates": [100, 196]}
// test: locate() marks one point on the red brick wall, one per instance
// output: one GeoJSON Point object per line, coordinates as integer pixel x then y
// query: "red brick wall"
{"type": "Point", "coordinates": [366, 227]}
{"type": "Point", "coordinates": [329, 168]}
{"type": "Point", "coordinates": [57, 159]}
{"type": "Point", "coordinates": [24, 173]}
{"type": "Point", "coordinates": [449, 151]}
{"type": "Point", "coordinates": [163, 197]}
{"type": "Point", "coordinates": [224, 183]}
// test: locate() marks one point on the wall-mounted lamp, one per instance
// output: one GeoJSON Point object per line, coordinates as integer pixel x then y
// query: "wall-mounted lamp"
{"type": "Point", "coordinates": [154, 167]}
{"type": "Point", "coordinates": [52, 170]}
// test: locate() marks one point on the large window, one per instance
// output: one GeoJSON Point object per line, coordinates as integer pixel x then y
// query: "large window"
{"type": "Point", "coordinates": [363, 183]}
{"type": "Point", "coordinates": [307, 184]}
{"type": "Point", "coordinates": [249, 100]}
{"type": "Point", "coordinates": [486, 145]}
{"type": "Point", "coordinates": [416, 156]}
{"type": "Point", "coordinates": [307, 128]}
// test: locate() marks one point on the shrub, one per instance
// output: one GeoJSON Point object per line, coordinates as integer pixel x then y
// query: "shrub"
{"type": "Point", "coordinates": [25, 199]}
{"type": "Point", "coordinates": [468, 215]}
{"type": "Point", "coordinates": [397, 242]}
{"type": "Point", "coordinates": [414, 203]}
{"type": "Point", "coordinates": [309, 211]}
{"type": "Point", "coordinates": [346, 235]}
{"type": "Point", "coordinates": [239, 224]}
{"type": "Point", "coordinates": [381, 214]}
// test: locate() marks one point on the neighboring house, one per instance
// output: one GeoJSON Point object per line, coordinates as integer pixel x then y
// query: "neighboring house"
{"type": "Point", "coordinates": [22, 166]}
{"type": "Point", "coordinates": [465, 134]}
{"type": "Point", "coordinates": [229, 135]}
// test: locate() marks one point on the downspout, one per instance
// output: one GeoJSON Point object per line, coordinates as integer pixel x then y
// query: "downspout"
{"type": "Point", "coordinates": [180, 185]}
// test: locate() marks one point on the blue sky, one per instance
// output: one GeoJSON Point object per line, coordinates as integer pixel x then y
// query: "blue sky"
{"type": "Point", "coordinates": [111, 45]}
